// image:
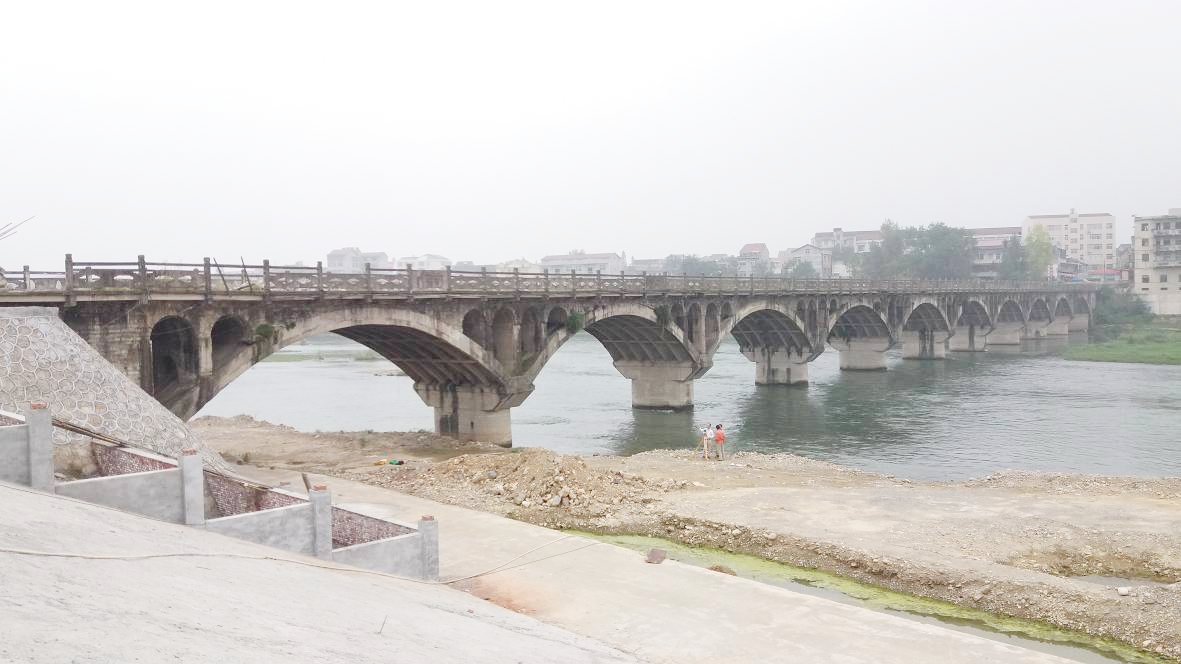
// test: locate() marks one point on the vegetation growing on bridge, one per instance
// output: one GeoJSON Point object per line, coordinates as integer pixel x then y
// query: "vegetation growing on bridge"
{"type": "Point", "coordinates": [1124, 330]}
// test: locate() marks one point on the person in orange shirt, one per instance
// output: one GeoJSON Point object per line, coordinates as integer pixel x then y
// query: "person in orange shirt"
{"type": "Point", "coordinates": [720, 441]}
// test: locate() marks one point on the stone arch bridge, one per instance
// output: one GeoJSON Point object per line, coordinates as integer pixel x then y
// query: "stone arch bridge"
{"type": "Point", "coordinates": [474, 342]}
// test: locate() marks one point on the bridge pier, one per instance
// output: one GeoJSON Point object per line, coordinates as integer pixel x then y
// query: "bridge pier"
{"type": "Point", "coordinates": [778, 366]}
{"type": "Point", "coordinates": [1007, 334]}
{"type": "Point", "coordinates": [660, 384]}
{"type": "Point", "coordinates": [967, 339]}
{"type": "Point", "coordinates": [469, 412]}
{"type": "Point", "coordinates": [924, 344]}
{"type": "Point", "coordinates": [862, 353]}
{"type": "Point", "coordinates": [1059, 327]}
{"type": "Point", "coordinates": [1035, 330]}
{"type": "Point", "coordinates": [1079, 323]}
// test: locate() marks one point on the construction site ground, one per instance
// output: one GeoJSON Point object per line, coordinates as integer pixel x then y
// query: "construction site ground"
{"type": "Point", "coordinates": [1012, 544]}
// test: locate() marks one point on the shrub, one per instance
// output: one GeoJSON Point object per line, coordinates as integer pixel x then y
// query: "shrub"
{"type": "Point", "coordinates": [574, 322]}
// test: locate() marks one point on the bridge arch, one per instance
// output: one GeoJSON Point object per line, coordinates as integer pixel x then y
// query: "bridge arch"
{"type": "Point", "coordinates": [713, 324]}
{"type": "Point", "coordinates": [228, 336]}
{"type": "Point", "coordinates": [971, 325]}
{"type": "Point", "coordinates": [1010, 325]}
{"type": "Point", "coordinates": [862, 336]}
{"type": "Point", "coordinates": [532, 331]}
{"type": "Point", "coordinates": [1062, 308]}
{"type": "Point", "coordinates": [925, 333]}
{"type": "Point", "coordinates": [475, 326]}
{"type": "Point", "coordinates": [174, 363]}
{"type": "Point", "coordinates": [1010, 312]}
{"type": "Point", "coordinates": [773, 337]}
{"type": "Point", "coordinates": [1039, 311]}
{"type": "Point", "coordinates": [504, 334]}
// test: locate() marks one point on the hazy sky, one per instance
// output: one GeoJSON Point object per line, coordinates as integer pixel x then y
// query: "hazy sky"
{"type": "Point", "coordinates": [493, 130]}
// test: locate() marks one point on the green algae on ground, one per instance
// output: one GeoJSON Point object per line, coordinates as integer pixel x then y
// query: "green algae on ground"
{"type": "Point", "coordinates": [878, 598]}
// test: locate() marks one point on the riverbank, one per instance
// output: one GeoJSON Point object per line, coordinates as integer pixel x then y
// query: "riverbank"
{"type": "Point", "coordinates": [1156, 342]}
{"type": "Point", "coordinates": [1010, 544]}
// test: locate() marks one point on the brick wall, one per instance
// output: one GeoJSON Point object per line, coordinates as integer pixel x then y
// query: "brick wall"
{"type": "Point", "coordinates": [121, 461]}
{"type": "Point", "coordinates": [233, 497]}
{"type": "Point", "coordinates": [349, 528]}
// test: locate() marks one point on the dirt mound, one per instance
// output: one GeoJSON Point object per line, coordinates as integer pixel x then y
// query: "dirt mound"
{"type": "Point", "coordinates": [531, 478]}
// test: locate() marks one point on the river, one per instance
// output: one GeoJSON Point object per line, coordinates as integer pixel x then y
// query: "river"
{"type": "Point", "coordinates": [967, 416]}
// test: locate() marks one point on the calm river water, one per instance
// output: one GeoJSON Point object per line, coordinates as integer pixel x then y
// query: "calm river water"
{"type": "Point", "coordinates": [964, 417]}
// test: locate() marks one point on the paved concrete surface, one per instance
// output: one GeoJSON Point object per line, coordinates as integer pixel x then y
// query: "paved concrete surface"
{"type": "Point", "coordinates": [229, 610]}
{"type": "Point", "coordinates": [661, 613]}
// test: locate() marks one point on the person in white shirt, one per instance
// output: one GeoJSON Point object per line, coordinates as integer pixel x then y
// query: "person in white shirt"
{"type": "Point", "coordinates": [707, 440]}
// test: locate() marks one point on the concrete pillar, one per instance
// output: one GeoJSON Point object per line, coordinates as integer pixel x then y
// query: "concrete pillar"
{"type": "Point", "coordinates": [778, 366]}
{"type": "Point", "coordinates": [1035, 329]}
{"type": "Point", "coordinates": [1079, 323]}
{"type": "Point", "coordinates": [968, 338]}
{"type": "Point", "coordinates": [192, 487]}
{"type": "Point", "coordinates": [663, 385]}
{"type": "Point", "coordinates": [40, 428]}
{"type": "Point", "coordinates": [428, 529]}
{"type": "Point", "coordinates": [859, 354]}
{"type": "Point", "coordinates": [471, 412]}
{"type": "Point", "coordinates": [1058, 327]}
{"type": "Point", "coordinates": [321, 520]}
{"type": "Point", "coordinates": [1007, 334]}
{"type": "Point", "coordinates": [924, 344]}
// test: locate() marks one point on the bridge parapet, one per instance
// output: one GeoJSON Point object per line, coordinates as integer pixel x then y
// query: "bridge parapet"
{"type": "Point", "coordinates": [215, 281]}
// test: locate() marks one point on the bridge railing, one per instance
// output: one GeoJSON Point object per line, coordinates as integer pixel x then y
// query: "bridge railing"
{"type": "Point", "coordinates": [212, 279]}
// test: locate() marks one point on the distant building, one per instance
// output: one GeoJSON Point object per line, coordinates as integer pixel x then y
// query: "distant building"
{"type": "Point", "coordinates": [809, 253]}
{"type": "Point", "coordinates": [469, 266]}
{"type": "Point", "coordinates": [1123, 257]}
{"type": "Point", "coordinates": [520, 265]}
{"type": "Point", "coordinates": [584, 263]}
{"type": "Point", "coordinates": [649, 265]}
{"type": "Point", "coordinates": [1088, 237]}
{"type": "Point", "coordinates": [990, 249]}
{"type": "Point", "coordinates": [424, 262]}
{"type": "Point", "coordinates": [1156, 242]}
{"type": "Point", "coordinates": [353, 260]}
{"type": "Point", "coordinates": [754, 259]}
{"type": "Point", "coordinates": [856, 241]}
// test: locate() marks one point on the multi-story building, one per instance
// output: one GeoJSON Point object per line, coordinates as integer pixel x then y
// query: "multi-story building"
{"type": "Point", "coordinates": [648, 265]}
{"type": "Point", "coordinates": [1088, 238]}
{"type": "Point", "coordinates": [754, 259]}
{"type": "Point", "coordinates": [584, 263]}
{"type": "Point", "coordinates": [809, 253]}
{"type": "Point", "coordinates": [990, 249]}
{"type": "Point", "coordinates": [1156, 242]}
{"type": "Point", "coordinates": [353, 260]}
{"type": "Point", "coordinates": [424, 262]}
{"type": "Point", "coordinates": [856, 241]}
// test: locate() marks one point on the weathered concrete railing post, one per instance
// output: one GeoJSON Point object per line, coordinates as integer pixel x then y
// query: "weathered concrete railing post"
{"type": "Point", "coordinates": [410, 280]}
{"type": "Point", "coordinates": [266, 279]}
{"type": "Point", "coordinates": [68, 284]}
{"type": "Point", "coordinates": [143, 275]}
{"type": "Point", "coordinates": [573, 283]}
{"type": "Point", "coordinates": [545, 280]}
{"type": "Point", "coordinates": [428, 529]}
{"type": "Point", "coordinates": [598, 282]}
{"type": "Point", "coordinates": [192, 486]}
{"type": "Point", "coordinates": [644, 282]}
{"type": "Point", "coordinates": [321, 502]}
{"type": "Point", "coordinates": [517, 281]}
{"type": "Point", "coordinates": [368, 283]}
{"type": "Point", "coordinates": [447, 280]}
{"type": "Point", "coordinates": [208, 281]}
{"type": "Point", "coordinates": [28, 282]}
{"type": "Point", "coordinates": [484, 279]}
{"type": "Point", "coordinates": [40, 423]}
{"type": "Point", "coordinates": [320, 279]}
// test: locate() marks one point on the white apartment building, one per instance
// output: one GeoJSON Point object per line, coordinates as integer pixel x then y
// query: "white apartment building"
{"type": "Point", "coordinates": [1156, 242]}
{"type": "Point", "coordinates": [584, 263]}
{"type": "Point", "coordinates": [990, 249]}
{"type": "Point", "coordinates": [1088, 238]}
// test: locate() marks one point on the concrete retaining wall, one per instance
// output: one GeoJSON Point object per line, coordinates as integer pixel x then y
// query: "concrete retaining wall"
{"type": "Point", "coordinates": [400, 555]}
{"type": "Point", "coordinates": [26, 450]}
{"type": "Point", "coordinates": [113, 460]}
{"type": "Point", "coordinates": [14, 454]}
{"type": "Point", "coordinates": [289, 528]}
{"type": "Point", "coordinates": [156, 493]}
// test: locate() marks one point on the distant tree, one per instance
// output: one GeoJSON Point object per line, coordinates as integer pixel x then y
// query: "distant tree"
{"type": "Point", "coordinates": [1039, 253]}
{"type": "Point", "coordinates": [885, 259]}
{"type": "Point", "coordinates": [939, 251]}
{"type": "Point", "coordinates": [801, 270]}
{"type": "Point", "coordinates": [1014, 265]}
{"type": "Point", "coordinates": [694, 265]}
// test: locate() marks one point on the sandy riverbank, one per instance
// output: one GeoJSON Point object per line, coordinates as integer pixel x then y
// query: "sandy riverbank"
{"type": "Point", "coordinates": [1009, 544]}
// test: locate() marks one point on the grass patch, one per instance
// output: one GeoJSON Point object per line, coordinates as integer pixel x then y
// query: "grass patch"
{"type": "Point", "coordinates": [1154, 342]}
